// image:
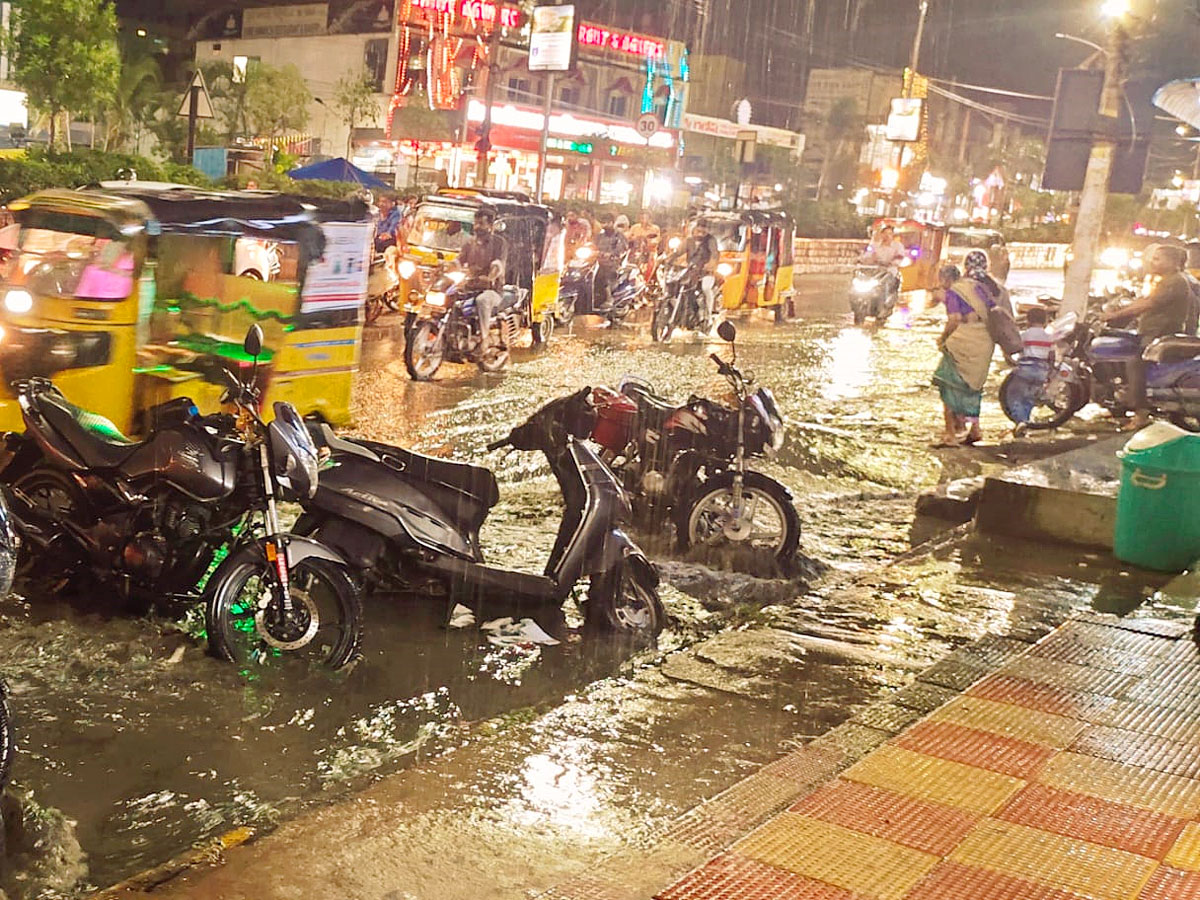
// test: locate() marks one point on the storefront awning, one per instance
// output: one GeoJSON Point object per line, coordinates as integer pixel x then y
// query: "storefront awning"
{"type": "Point", "coordinates": [568, 125]}
{"type": "Point", "coordinates": [1181, 99]}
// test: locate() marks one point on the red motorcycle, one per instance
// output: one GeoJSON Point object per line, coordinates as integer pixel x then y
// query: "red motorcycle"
{"type": "Point", "coordinates": [687, 463]}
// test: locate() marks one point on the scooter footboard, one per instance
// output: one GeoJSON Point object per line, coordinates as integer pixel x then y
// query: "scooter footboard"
{"type": "Point", "coordinates": [618, 548]}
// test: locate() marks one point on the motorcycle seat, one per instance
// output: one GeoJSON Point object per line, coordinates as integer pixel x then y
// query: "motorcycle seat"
{"type": "Point", "coordinates": [645, 396]}
{"type": "Point", "coordinates": [509, 297]}
{"type": "Point", "coordinates": [97, 440]}
{"type": "Point", "coordinates": [473, 482]}
{"type": "Point", "coordinates": [1173, 348]}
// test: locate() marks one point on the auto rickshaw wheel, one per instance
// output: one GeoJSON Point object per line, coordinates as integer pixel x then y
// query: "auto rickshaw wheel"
{"type": "Point", "coordinates": [543, 331]}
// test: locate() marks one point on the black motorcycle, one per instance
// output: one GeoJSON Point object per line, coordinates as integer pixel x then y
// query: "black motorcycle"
{"type": "Point", "coordinates": [448, 328]}
{"type": "Point", "coordinates": [187, 514]}
{"type": "Point", "coordinates": [407, 519]}
{"type": "Point", "coordinates": [680, 301]}
{"type": "Point", "coordinates": [688, 462]}
{"type": "Point", "coordinates": [873, 294]}
{"type": "Point", "coordinates": [581, 295]}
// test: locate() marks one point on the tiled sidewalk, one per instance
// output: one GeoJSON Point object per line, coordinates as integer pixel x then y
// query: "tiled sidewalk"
{"type": "Point", "coordinates": [1072, 772]}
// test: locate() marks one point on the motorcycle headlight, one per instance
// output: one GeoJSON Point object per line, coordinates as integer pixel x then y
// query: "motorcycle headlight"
{"type": "Point", "coordinates": [583, 254]}
{"type": "Point", "coordinates": [863, 285]}
{"type": "Point", "coordinates": [724, 270]}
{"type": "Point", "coordinates": [1114, 257]}
{"type": "Point", "coordinates": [675, 243]}
{"type": "Point", "coordinates": [435, 298]}
{"type": "Point", "coordinates": [456, 277]}
{"type": "Point", "coordinates": [407, 269]}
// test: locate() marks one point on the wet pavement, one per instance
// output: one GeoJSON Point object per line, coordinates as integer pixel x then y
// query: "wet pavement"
{"type": "Point", "coordinates": [561, 752]}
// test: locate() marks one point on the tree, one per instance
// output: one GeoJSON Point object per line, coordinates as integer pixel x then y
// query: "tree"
{"type": "Point", "coordinates": [133, 103]}
{"type": "Point", "coordinates": [277, 101]}
{"type": "Point", "coordinates": [354, 97]}
{"type": "Point", "coordinates": [843, 129]}
{"type": "Point", "coordinates": [64, 56]}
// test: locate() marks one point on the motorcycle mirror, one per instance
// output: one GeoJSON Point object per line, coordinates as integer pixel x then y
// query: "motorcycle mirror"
{"type": "Point", "coordinates": [253, 343]}
{"type": "Point", "coordinates": [727, 332]}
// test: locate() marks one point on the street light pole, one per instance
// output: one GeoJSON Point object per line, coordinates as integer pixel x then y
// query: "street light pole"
{"type": "Point", "coordinates": [916, 50]}
{"type": "Point", "coordinates": [1089, 221]}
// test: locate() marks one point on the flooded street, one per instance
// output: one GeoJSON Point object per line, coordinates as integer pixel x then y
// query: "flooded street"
{"type": "Point", "coordinates": [145, 746]}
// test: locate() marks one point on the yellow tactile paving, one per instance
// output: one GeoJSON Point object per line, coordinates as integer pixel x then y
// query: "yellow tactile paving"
{"type": "Point", "coordinates": [867, 866]}
{"type": "Point", "coordinates": [1087, 869]}
{"type": "Point", "coordinates": [1171, 795]}
{"type": "Point", "coordinates": [1067, 675]}
{"type": "Point", "coordinates": [1012, 721]}
{"type": "Point", "coordinates": [936, 780]}
{"type": "Point", "coordinates": [1186, 852]}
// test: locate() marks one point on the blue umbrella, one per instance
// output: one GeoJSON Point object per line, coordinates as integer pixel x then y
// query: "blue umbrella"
{"type": "Point", "coordinates": [339, 170]}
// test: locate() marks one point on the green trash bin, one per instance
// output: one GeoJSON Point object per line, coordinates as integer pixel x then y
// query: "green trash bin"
{"type": "Point", "coordinates": [1158, 507]}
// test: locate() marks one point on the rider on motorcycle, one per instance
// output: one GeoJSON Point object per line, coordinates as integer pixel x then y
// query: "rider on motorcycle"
{"type": "Point", "coordinates": [702, 256]}
{"type": "Point", "coordinates": [611, 247]}
{"type": "Point", "coordinates": [482, 257]}
{"type": "Point", "coordinates": [887, 251]}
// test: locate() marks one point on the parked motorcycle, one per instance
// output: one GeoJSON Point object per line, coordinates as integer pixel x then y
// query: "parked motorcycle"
{"type": "Point", "coordinates": [151, 519]}
{"type": "Point", "coordinates": [405, 518]}
{"type": "Point", "coordinates": [688, 462]}
{"type": "Point", "coordinates": [872, 294]}
{"type": "Point", "coordinates": [1091, 366]}
{"type": "Point", "coordinates": [383, 289]}
{"type": "Point", "coordinates": [447, 327]}
{"type": "Point", "coordinates": [580, 295]}
{"type": "Point", "coordinates": [681, 299]}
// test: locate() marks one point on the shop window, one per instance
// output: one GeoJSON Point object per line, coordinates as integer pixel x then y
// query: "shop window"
{"type": "Point", "coordinates": [569, 96]}
{"type": "Point", "coordinates": [375, 56]}
{"type": "Point", "coordinates": [520, 89]}
{"type": "Point", "coordinates": [618, 106]}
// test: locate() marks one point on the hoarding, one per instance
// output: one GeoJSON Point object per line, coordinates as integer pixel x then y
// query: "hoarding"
{"type": "Point", "coordinates": [285, 21]}
{"type": "Point", "coordinates": [361, 16]}
{"type": "Point", "coordinates": [552, 39]}
{"type": "Point", "coordinates": [904, 122]}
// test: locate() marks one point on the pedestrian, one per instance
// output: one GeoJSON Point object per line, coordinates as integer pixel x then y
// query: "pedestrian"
{"type": "Point", "coordinates": [1163, 311]}
{"type": "Point", "coordinates": [967, 349]}
{"type": "Point", "coordinates": [1033, 367]}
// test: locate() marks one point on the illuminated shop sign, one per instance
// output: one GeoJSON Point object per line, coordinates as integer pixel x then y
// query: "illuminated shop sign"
{"type": "Point", "coordinates": [568, 126]}
{"type": "Point", "coordinates": [475, 10]}
{"type": "Point", "coordinates": [640, 45]}
{"type": "Point", "coordinates": [573, 146]}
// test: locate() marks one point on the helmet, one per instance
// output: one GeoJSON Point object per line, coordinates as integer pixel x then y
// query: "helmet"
{"type": "Point", "coordinates": [621, 222]}
{"type": "Point", "coordinates": [976, 264]}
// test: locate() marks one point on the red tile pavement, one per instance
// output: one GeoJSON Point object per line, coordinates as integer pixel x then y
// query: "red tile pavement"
{"type": "Point", "coordinates": [952, 881]}
{"type": "Point", "coordinates": [903, 820]}
{"type": "Point", "coordinates": [1172, 884]}
{"type": "Point", "coordinates": [982, 749]}
{"type": "Point", "coordinates": [1095, 820]}
{"type": "Point", "coordinates": [1049, 698]}
{"type": "Point", "coordinates": [733, 877]}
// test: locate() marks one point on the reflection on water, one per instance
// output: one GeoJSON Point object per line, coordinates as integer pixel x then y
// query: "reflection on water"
{"type": "Point", "coordinates": [849, 369]}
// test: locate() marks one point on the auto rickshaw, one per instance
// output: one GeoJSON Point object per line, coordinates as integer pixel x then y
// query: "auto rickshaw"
{"type": "Point", "coordinates": [129, 297]}
{"type": "Point", "coordinates": [445, 220]}
{"type": "Point", "coordinates": [759, 247]}
{"type": "Point", "coordinates": [926, 245]}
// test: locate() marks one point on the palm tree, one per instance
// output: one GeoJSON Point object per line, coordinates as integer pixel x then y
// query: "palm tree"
{"type": "Point", "coordinates": [842, 124]}
{"type": "Point", "coordinates": [134, 102]}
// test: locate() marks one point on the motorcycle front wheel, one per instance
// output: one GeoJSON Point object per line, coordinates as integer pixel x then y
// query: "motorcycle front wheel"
{"type": "Point", "coordinates": [542, 331]}
{"type": "Point", "coordinates": [625, 600]}
{"type": "Point", "coordinates": [662, 325]}
{"type": "Point", "coordinates": [1054, 408]}
{"type": "Point", "coordinates": [423, 349]}
{"type": "Point", "coordinates": [247, 623]}
{"type": "Point", "coordinates": [769, 522]}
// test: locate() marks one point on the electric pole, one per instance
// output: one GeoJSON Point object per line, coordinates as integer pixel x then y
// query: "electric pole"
{"type": "Point", "coordinates": [483, 147]}
{"type": "Point", "coordinates": [916, 50]}
{"type": "Point", "coordinates": [1089, 221]}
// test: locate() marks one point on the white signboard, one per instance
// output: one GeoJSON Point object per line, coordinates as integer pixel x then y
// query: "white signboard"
{"type": "Point", "coordinates": [724, 128]}
{"type": "Point", "coordinates": [552, 39]}
{"type": "Point", "coordinates": [904, 123]}
{"type": "Point", "coordinates": [285, 21]}
{"type": "Point", "coordinates": [338, 280]}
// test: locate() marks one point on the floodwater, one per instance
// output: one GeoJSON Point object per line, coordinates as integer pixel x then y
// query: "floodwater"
{"type": "Point", "coordinates": [136, 745]}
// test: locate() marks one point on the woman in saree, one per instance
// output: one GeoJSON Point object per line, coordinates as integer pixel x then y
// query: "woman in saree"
{"type": "Point", "coordinates": [967, 350]}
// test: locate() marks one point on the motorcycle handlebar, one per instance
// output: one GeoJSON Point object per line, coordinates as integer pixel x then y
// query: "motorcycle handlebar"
{"type": "Point", "coordinates": [496, 445]}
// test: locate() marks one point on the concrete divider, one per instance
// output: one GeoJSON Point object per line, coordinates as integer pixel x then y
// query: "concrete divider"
{"type": "Point", "coordinates": [830, 257]}
{"type": "Point", "coordinates": [1038, 256]}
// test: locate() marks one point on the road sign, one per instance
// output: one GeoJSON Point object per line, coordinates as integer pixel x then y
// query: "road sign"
{"type": "Point", "coordinates": [204, 107]}
{"type": "Point", "coordinates": [745, 146]}
{"type": "Point", "coordinates": [647, 125]}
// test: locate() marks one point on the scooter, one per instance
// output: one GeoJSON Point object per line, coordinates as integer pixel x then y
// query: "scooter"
{"type": "Point", "coordinates": [580, 294]}
{"type": "Point", "coordinates": [383, 289]}
{"type": "Point", "coordinates": [872, 294]}
{"type": "Point", "coordinates": [408, 519]}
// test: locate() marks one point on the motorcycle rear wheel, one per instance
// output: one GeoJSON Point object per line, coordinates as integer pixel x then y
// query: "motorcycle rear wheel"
{"type": "Point", "coordinates": [423, 352]}
{"type": "Point", "coordinates": [542, 331]}
{"type": "Point", "coordinates": [1060, 412]}
{"type": "Point", "coordinates": [52, 492]}
{"type": "Point", "coordinates": [246, 625]}
{"type": "Point", "coordinates": [625, 600]}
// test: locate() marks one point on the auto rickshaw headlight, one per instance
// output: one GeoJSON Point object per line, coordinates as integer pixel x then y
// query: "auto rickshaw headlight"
{"type": "Point", "coordinates": [724, 270]}
{"type": "Point", "coordinates": [407, 269]}
{"type": "Point", "coordinates": [1114, 257]}
{"type": "Point", "coordinates": [18, 301]}
{"type": "Point", "coordinates": [906, 262]}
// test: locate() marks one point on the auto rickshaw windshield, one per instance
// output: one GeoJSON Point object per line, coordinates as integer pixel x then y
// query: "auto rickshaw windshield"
{"type": "Point", "coordinates": [442, 228]}
{"type": "Point", "coordinates": [729, 234]}
{"type": "Point", "coordinates": [73, 256]}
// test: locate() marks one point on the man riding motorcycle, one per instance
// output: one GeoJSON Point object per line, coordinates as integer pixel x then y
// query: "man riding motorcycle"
{"type": "Point", "coordinates": [482, 257]}
{"type": "Point", "coordinates": [611, 247]}
{"type": "Point", "coordinates": [702, 255]}
{"type": "Point", "coordinates": [886, 251]}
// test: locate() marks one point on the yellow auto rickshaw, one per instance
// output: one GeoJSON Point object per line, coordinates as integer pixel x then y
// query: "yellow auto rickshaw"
{"type": "Point", "coordinates": [758, 257]}
{"type": "Point", "coordinates": [926, 244]}
{"type": "Point", "coordinates": [535, 241]}
{"type": "Point", "coordinates": [130, 296]}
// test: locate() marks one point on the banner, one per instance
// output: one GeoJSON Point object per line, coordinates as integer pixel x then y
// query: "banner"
{"type": "Point", "coordinates": [219, 24]}
{"type": "Point", "coordinates": [338, 280]}
{"type": "Point", "coordinates": [284, 21]}
{"type": "Point", "coordinates": [552, 40]}
{"type": "Point", "coordinates": [361, 16]}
